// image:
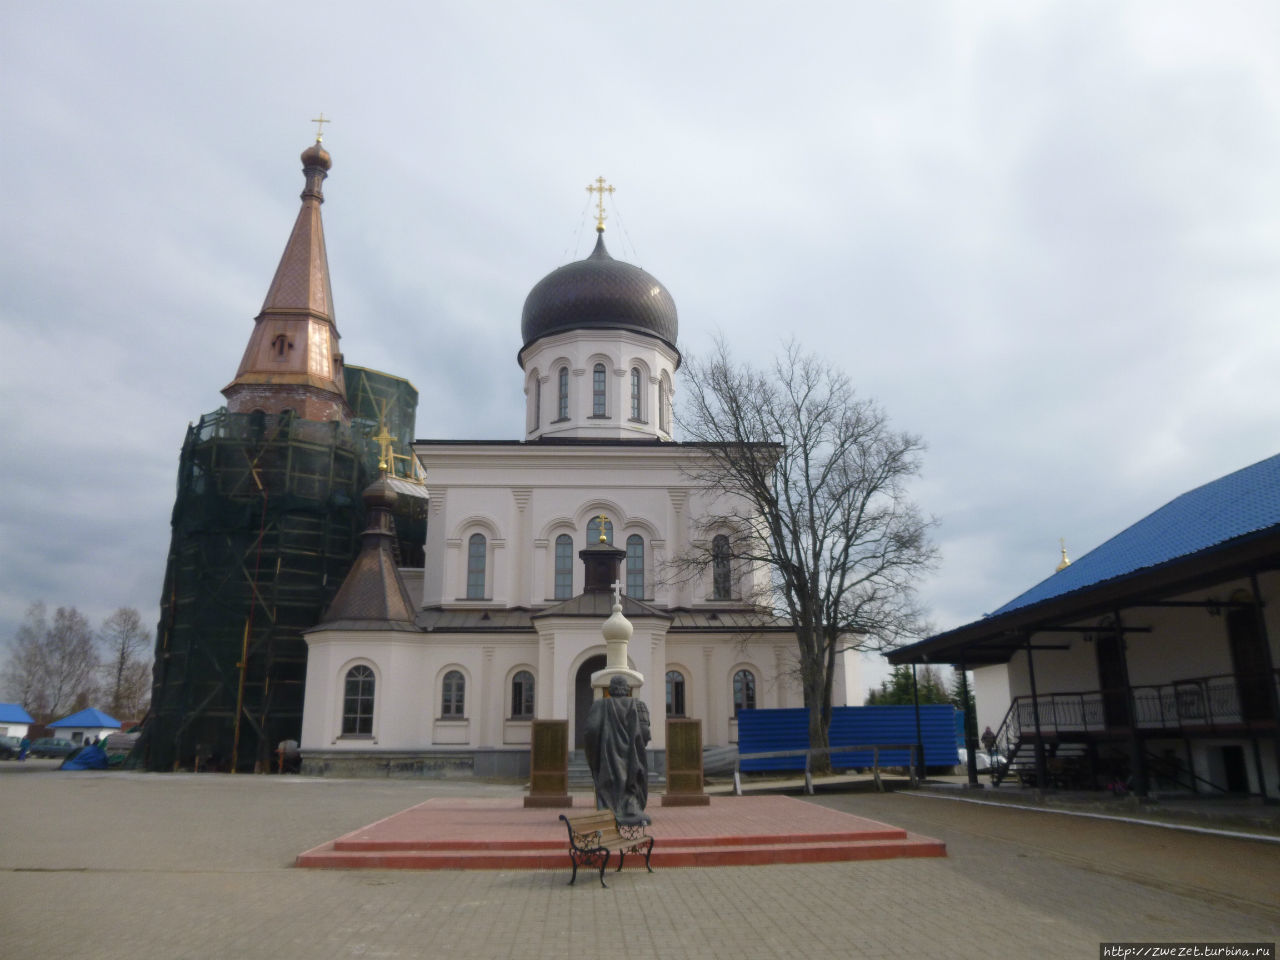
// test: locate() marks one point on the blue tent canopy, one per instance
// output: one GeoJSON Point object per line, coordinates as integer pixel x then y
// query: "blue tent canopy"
{"type": "Point", "coordinates": [86, 718]}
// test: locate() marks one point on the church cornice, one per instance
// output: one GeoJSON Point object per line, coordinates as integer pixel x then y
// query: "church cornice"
{"type": "Point", "coordinates": [577, 454]}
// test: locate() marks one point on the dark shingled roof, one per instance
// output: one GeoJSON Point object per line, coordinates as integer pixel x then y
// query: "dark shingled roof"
{"type": "Point", "coordinates": [600, 606]}
{"type": "Point", "coordinates": [599, 293]}
{"type": "Point", "coordinates": [373, 595]}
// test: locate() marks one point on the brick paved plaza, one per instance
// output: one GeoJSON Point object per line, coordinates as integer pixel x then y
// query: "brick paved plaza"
{"type": "Point", "coordinates": [124, 865]}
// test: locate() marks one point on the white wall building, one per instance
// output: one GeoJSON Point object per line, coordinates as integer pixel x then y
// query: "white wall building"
{"type": "Point", "coordinates": [1151, 660]}
{"type": "Point", "coordinates": [442, 670]}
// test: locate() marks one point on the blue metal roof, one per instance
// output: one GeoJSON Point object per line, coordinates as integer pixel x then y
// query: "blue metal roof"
{"type": "Point", "coordinates": [87, 718]}
{"type": "Point", "coordinates": [13, 713]}
{"type": "Point", "coordinates": [1241, 503]}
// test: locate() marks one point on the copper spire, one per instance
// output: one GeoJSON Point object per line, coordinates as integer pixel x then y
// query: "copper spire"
{"type": "Point", "coordinates": [302, 278]}
{"type": "Point", "coordinates": [292, 360]}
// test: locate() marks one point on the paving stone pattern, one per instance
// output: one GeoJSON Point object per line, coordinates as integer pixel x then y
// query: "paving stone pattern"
{"type": "Point", "coordinates": [182, 867]}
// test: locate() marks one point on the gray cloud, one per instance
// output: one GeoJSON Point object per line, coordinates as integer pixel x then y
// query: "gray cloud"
{"type": "Point", "coordinates": [1042, 236]}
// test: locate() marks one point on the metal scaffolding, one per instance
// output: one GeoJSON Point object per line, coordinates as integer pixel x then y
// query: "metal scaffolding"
{"type": "Point", "coordinates": [265, 526]}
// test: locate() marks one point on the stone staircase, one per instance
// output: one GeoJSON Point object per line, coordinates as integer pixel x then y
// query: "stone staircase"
{"type": "Point", "coordinates": [500, 834]}
{"type": "Point", "coordinates": [580, 773]}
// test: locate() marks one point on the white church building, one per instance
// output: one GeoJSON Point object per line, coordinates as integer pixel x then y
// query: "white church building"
{"type": "Point", "coordinates": [440, 670]}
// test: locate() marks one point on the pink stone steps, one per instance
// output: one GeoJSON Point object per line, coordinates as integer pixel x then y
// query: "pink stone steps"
{"type": "Point", "coordinates": [489, 834]}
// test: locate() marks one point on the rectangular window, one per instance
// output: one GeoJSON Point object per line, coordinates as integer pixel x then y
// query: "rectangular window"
{"type": "Point", "coordinates": [477, 554]}
{"type": "Point", "coordinates": [635, 566]}
{"type": "Point", "coordinates": [675, 693]}
{"type": "Point", "coordinates": [597, 391]}
{"type": "Point", "coordinates": [357, 702]}
{"type": "Point", "coordinates": [453, 695]}
{"type": "Point", "coordinates": [564, 567]}
{"type": "Point", "coordinates": [522, 696]}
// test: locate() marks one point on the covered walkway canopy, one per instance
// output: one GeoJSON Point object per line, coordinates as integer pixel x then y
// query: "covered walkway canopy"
{"type": "Point", "coordinates": [1225, 530]}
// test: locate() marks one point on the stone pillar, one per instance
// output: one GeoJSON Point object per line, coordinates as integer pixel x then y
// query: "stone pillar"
{"type": "Point", "coordinates": [549, 765]}
{"type": "Point", "coordinates": [684, 765]}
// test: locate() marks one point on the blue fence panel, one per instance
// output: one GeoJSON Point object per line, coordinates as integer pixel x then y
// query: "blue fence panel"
{"type": "Point", "coordinates": [764, 731]}
{"type": "Point", "coordinates": [895, 724]}
{"type": "Point", "coordinates": [941, 729]}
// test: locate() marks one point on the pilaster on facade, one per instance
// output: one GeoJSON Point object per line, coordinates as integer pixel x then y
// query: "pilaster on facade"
{"type": "Point", "coordinates": [484, 713]}
{"type": "Point", "coordinates": [712, 701]}
{"type": "Point", "coordinates": [679, 586]}
{"type": "Point", "coordinates": [522, 593]}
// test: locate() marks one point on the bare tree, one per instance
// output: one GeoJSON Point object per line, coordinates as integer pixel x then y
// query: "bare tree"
{"type": "Point", "coordinates": [127, 663]}
{"type": "Point", "coordinates": [24, 671]}
{"type": "Point", "coordinates": [820, 483]}
{"type": "Point", "coordinates": [52, 665]}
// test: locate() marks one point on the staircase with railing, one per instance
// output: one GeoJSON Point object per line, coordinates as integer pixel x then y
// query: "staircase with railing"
{"type": "Point", "coordinates": [1199, 706]}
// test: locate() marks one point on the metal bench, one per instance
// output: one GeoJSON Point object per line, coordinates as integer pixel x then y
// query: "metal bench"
{"type": "Point", "coordinates": [593, 836]}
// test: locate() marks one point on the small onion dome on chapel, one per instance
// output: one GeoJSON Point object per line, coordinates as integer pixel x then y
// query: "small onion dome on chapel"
{"type": "Point", "coordinates": [599, 293]}
{"type": "Point", "coordinates": [373, 594]}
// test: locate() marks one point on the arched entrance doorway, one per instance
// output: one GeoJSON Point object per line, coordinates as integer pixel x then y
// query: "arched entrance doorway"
{"type": "Point", "coordinates": [582, 697]}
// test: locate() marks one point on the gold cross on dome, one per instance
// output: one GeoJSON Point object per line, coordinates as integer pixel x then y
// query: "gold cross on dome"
{"type": "Point", "coordinates": [604, 537]}
{"type": "Point", "coordinates": [600, 189]}
{"type": "Point", "coordinates": [320, 121]}
{"type": "Point", "coordinates": [384, 440]}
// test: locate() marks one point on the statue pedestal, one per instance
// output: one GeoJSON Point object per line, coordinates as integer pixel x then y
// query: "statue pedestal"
{"type": "Point", "coordinates": [549, 765]}
{"type": "Point", "coordinates": [684, 765]}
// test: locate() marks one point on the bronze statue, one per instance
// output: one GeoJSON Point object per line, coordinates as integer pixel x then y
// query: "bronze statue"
{"type": "Point", "coordinates": [616, 735]}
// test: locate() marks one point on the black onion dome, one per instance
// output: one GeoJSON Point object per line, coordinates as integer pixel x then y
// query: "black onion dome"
{"type": "Point", "coordinates": [599, 293]}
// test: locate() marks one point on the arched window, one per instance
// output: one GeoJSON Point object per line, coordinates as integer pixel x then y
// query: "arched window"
{"type": "Point", "coordinates": [597, 391]}
{"type": "Point", "coordinates": [675, 693]}
{"type": "Point", "coordinates": [564, 567]}
{"type": "Point", "coordinates": [357, 703]}
{"type": "Point", "coordinates": [593, 531]}
{"type": "Point", "coordinates": [562, 394]}
{"type": "Point", "coordinates": [635, 393]}
{"type": "Point", "coordinates": [635, 566]}
{"type": "Point", "coordinates": [664, 406]}
{"type": "Point", "coordinates": [744, 691]}
{"type": "Point", "coordinates": [477, 552]}
{"type": "Point", "coordinates": [721, 574]}
{"type": "Point", "coordinates": [522, 695]}
{"type": "Point", "coordinates": [453, 695]}
{"type": "Point", "coordinates": [535, 384]}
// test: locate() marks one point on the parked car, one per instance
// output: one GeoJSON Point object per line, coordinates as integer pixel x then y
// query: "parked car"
{"type": "Point", "coordinates": [9, 747]}
{"type": "Point", "coordinates": [51, 747]}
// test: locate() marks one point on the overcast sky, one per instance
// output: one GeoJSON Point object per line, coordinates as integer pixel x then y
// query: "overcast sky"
{"type": "Point", "coordinates": [1045, 236]}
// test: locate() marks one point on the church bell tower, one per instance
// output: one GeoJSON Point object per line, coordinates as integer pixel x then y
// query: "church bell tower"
{"type": "Point", "coordinates": [292, 361]}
